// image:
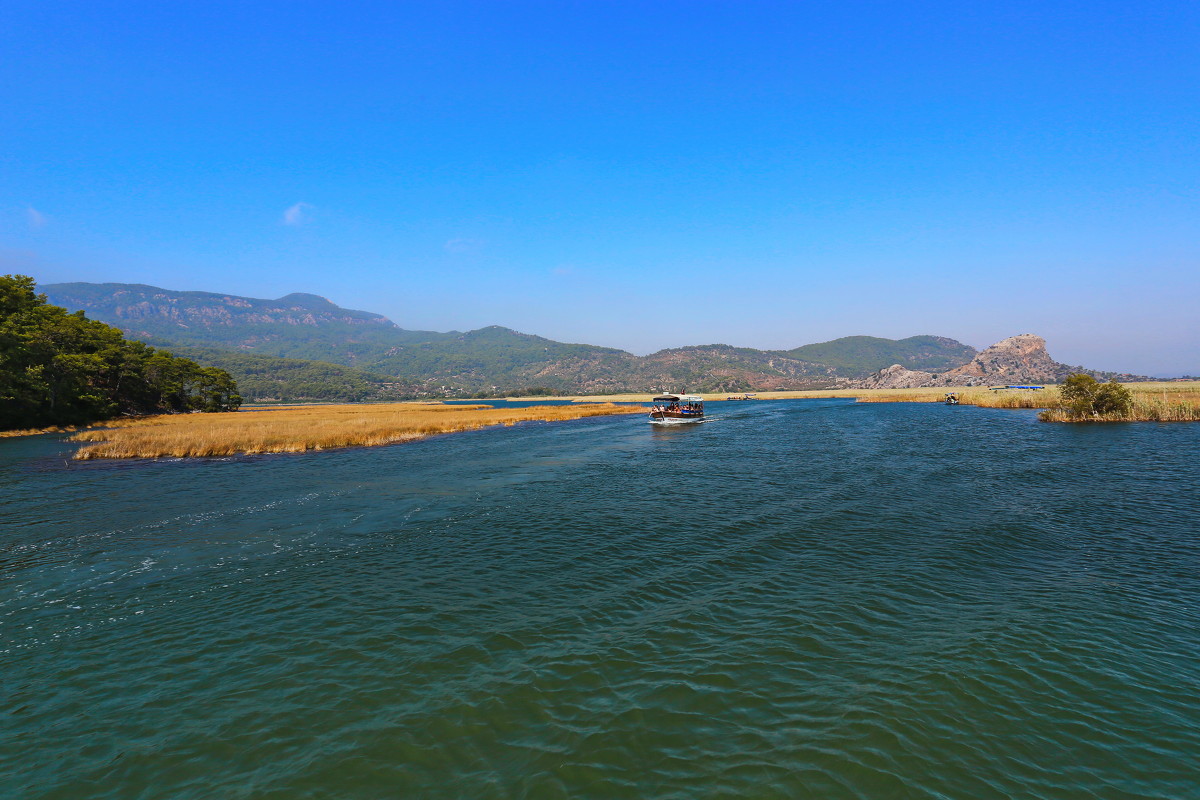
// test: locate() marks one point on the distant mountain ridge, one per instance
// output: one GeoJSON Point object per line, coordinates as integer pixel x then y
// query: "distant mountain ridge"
{"type": "Point", "coordinates": [494, 359]}
{"type": "Point", "coordinates": [296, 321]}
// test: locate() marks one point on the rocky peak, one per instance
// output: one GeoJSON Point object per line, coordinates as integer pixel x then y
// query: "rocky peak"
{"type": "Point", "coordinates": [897, 377]}
{"type": "Point", "coordinates": [1021, 358]}
{"type": "Point", "coordinates": [1017, 359]}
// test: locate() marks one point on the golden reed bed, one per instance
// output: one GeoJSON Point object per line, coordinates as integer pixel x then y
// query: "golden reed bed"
{"type": "Point", "coordinates": [112, 423]}
{"type": "Point", "coordinates": [1008, 398]}
{"type": "Point", "coordinates": [35, 431]}
{"type": "Point", "coordinates": [296, 429]}
{"type": "Point", "coordinates": [1164, 401]}
{"type": "Point", "coordinates": [1147, 407]}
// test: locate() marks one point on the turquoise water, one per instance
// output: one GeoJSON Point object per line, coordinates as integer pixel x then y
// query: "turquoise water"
{"type": "Point", "coordinates": [798, 599]}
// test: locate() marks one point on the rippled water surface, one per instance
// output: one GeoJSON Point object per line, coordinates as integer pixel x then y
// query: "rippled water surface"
{"type": "Point", "coordinates": [798, 599]}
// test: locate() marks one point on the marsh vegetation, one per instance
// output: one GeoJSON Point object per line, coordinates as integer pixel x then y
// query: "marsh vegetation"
{"type": "Point", "coordinates": [300, 428]}
{"type": "Point", "coordinates": [1004, 398]}
{"type": "Point", "coordinates": [1080, 399]}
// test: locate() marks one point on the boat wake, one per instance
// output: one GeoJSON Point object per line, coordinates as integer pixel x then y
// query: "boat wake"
{"type": "Point", "coordinates": [688, 424]}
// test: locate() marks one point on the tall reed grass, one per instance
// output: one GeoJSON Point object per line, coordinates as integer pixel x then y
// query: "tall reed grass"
{"type": "Point", "coordinates": [297, 429]}
{"type": "Point", "coordinates": [36, 431]}
{"type": "Point", "coordinates": [1148, 406]}
{"type": "Point", "coordinates": [1008, 398]}
{"type": "Point", "coordinates": [112, 423]}
{"type": "Point", "coordinates": [1164, 401]}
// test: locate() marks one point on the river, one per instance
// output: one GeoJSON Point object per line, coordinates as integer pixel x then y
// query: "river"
{"type": "Point", "coordinates": [798, 598]}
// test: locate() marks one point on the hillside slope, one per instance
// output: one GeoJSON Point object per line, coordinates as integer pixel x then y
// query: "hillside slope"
{"type": "Point", "coordinates": [308, 327]}
{"type": "Point", "coordinates": [1017, 359]}
{"type": "Point", "coordinates": [266, 378]}
{"type": "Point", "coordinates": [295, 326]}
{"type": "Point", "coordinates": [243, 334]}
{"type": "Point", "coordinates": [859, 356]}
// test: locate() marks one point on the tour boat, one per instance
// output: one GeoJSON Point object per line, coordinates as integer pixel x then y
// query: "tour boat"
{"type": "Point", "coordinates": [677, 409]}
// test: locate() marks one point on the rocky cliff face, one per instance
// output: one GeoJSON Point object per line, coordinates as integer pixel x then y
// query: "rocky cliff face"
{"type": "Point", "coordinates": [1017, 359]}
{"type": "Point", "coordinates": [897, 377]}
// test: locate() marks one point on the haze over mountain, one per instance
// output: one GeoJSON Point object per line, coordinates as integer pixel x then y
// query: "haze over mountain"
{"type": "Point", "coordinates": [370, 355]}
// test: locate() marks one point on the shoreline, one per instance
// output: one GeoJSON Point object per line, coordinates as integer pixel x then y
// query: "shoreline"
{"type": "Point", "coordinates": [1155, 401]}
{"type": "Point", "coordinates": [304, 429]}
{"type": "Point", "coordinates": [902, 395]}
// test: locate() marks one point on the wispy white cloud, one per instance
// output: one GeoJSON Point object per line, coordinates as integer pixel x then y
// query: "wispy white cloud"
{"type": "Point", "coordinates": [36, 218]}
{"type": "Point", "coordinates": [299, 214]}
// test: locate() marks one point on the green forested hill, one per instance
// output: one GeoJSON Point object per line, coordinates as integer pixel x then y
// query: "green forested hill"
{"type": "Point", "coordinates": [859, 356]}
{"type": "Point", "coordinates": [302, 326]}
{"type": "Point", "coordinates": [58, 368]}
{"type": "Point", "coordinates": [264, 378]}
{"type": "Point", "coordinates": [427, 363]}
{"type": "Point", "coordinates": [295, 326]}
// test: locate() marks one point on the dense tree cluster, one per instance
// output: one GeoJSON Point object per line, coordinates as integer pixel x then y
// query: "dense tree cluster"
{"type": "Point", "coordinates": [1084, 396]}
{"type": "Point", "coordinates": [262, 377]}
{"type": "Point", "coordinates": [58, 368]}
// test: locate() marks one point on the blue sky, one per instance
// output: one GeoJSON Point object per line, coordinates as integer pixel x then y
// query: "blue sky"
{"type": "Point", "coordinates": [639, 175]}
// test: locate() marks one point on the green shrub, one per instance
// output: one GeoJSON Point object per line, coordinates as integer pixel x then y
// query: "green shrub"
{"type": "Point", "coordinates": [1084, 396]}
{"type": "Point", "coordinates": [1112, 398]}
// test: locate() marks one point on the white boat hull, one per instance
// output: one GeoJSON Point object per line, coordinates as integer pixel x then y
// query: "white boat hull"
{"type": "Point", "coordinates": [675, 420]}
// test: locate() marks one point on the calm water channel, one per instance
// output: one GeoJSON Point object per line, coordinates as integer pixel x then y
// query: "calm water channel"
{"type": "Point", "coordinates": [798, 599]}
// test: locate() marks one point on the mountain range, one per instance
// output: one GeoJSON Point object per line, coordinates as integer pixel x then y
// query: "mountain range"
{"type": "Point", "coordinates": [302, 346]}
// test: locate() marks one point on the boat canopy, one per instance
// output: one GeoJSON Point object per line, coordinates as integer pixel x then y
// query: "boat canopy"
{"type": "Point", "coordinates": [679, 398]}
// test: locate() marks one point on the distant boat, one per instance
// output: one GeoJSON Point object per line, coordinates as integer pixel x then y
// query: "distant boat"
{"type": "Point", "coordinates": [741, 397]}
{"type": "Point", "coordinates": [677, 409]}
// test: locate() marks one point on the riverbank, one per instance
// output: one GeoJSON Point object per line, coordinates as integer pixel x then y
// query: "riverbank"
{"type": "Point", "coordinates": [1158, 401]}
{"type": "Point", "coordinates": [1148, 406]}
{"type": "Point", "coordinates": [116, 422]}
{"type": "Point", "coordinates": [300, 428]}
{"type": "Point", "coordinates": [1154, 401]}
{"type": "Point", "coordinates": [295, 428]}
{"type": "Point", "coordinates": [36, 431]}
